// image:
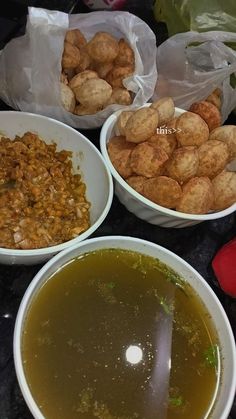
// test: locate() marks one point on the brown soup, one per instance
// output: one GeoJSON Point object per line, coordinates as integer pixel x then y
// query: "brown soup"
{"type": "Point", "coordinates": [117, 335]}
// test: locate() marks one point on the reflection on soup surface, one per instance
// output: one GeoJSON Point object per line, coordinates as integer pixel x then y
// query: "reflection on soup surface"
{"type": "Point", "coordinates": [115, 334]}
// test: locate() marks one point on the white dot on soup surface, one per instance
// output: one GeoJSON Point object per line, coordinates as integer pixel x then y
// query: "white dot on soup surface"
{"type": "Point", "coordinates": [134, 354]}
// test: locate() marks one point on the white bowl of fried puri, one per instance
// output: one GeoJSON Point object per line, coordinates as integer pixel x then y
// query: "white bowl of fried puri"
{"type": "Point", "coordinates": [55, 188]}
{"type": "Point", "coordinates": [171, 167]}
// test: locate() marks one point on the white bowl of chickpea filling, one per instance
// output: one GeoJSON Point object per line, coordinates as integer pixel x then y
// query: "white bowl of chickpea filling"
{"type": "Point", "coordinates": [55, 189]}
{"type": "Point", "coordinates": [171, 167]}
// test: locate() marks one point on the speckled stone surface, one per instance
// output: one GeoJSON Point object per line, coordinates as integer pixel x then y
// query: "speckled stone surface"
{"type": "Point", "coordinates": [197, 245]}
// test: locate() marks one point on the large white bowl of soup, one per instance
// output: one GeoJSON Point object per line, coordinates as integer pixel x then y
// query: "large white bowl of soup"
{"type": "Point", "coordinates": [55, 188]}
{"type": "Point", "coordinates": [118, 327]}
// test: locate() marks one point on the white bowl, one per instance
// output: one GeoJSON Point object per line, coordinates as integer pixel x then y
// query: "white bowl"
{"type": "Point", "coordinates": [227, 385]}
{"type": "Point", "coordinates": [139, 205]}
{"type": "Point", "coordinates": [99, 185]}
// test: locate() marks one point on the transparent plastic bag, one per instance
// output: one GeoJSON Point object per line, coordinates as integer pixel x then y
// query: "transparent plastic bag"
{"type": "Point", "coordinates": [189, 73]}
{"type": "Point", "coordinates": [30, 66]}
{"type": "Point", "coordinates": [200, 16]}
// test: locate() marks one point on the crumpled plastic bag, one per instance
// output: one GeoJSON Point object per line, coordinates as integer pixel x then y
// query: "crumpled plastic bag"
{"type": "Point", "coordinates": [200, 15]}
{"type": "Point", "coordinates": [189, 73]}
{"type": "Point", "coordinates": [30, 66]}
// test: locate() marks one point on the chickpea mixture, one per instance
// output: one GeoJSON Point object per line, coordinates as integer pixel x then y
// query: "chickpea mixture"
{"type": "Point", "coordinates": [42, 203]}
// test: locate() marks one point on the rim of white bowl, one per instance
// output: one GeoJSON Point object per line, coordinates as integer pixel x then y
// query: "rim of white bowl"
{"type": "Point", "coordinates": [110, 122]}
{"type": "Point", "coordinates": [59, 247]}
{"type": "Point", "coordinates": [103, 239]}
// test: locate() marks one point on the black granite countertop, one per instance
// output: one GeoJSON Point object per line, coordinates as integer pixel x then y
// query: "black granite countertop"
{"type": "Point", "coordinates": [197, 245]}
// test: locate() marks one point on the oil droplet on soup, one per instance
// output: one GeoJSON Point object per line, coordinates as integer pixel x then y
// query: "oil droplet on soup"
{"type": "Point", "coordinates": [117, 335]}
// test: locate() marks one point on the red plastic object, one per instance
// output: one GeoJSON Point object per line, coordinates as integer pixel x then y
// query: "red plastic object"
{"type": "Point", "coordinates": [224, 266]}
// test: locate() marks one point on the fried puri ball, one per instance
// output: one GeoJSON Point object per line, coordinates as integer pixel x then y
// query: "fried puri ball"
{"type": "Point", "coordinates": [183, 164]}
{"type": "Point", "coordinates": [117, 74]}
{"type": "Point", "coordinates": [227, 134]}
{"type": "Point", "coordinates": [119, 151]}
{"type": "Point", "coordinates": [213, 157]}
{"type": "Point", "coordinates": [214, 99]}
{"type": "Point", "coordinates": [166, 109]}
{"type": "Point", "coordinates": [141, 125]}
{"type": "Point", "coordinates": [80, 78]}
{"type": "Point", "coordinates": [120, 96]}
{"type": "Point", "coordinates": [77, 81]}
{"type": "Point", "coordinates": [125, 55]}
{"type": "Point", "coordinates": [70, 56]}
{"type": "Point", "coordinates": [94, 93]}
{"type": "Point", "coordinates": [217, 91]}
{"type": "Point", "coordinates": [67, 97]}
{"type": "Point", "coordinates": [64, 78]}
{"type": "Point", "coordinates": [197, 197]}
{"type": "Point", "coordinates": [192, 130]}
{"type": "Point", "coordinates": [70, 73]}
{"type": "Point", "coordinates": [83, 110]}
{"type": "Point", "coordinates": [208, 112]}
{"type": "Point", "coordinates": [122, 121]}
{"type": "Point", "coordinates": [75, 37]}
{"type": "Point", "coordinates": [147, 160]}
{"type": "Point", "coordinates": [171, 123]}
{"type": "Point", "coordinates": [167, 142]}
{"type": "Point", "coordinates": [103, 47]}
{"type": "Point", "coordinates": [163, 191]}
{"type": "Point", "coordinates": [85, 61]}
{"type": "Point", "coordinates": [137, 183]}
{"type": "Point", "coordinates": [224, 187]}
{"type": "Point", "coordinates": [103, 69]}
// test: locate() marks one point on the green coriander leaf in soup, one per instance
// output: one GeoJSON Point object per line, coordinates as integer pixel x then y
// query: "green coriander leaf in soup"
{"type": "Point", "coordinates": [171, 275]}
{"type": "Point", "coordinates": [211, 356]}
{"type": "Point", "coordinates": [167, 307]}
{"type": "Point", "coordinates": [176, 401]}
{"type": "Point", "coordinates": [111, 285]}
